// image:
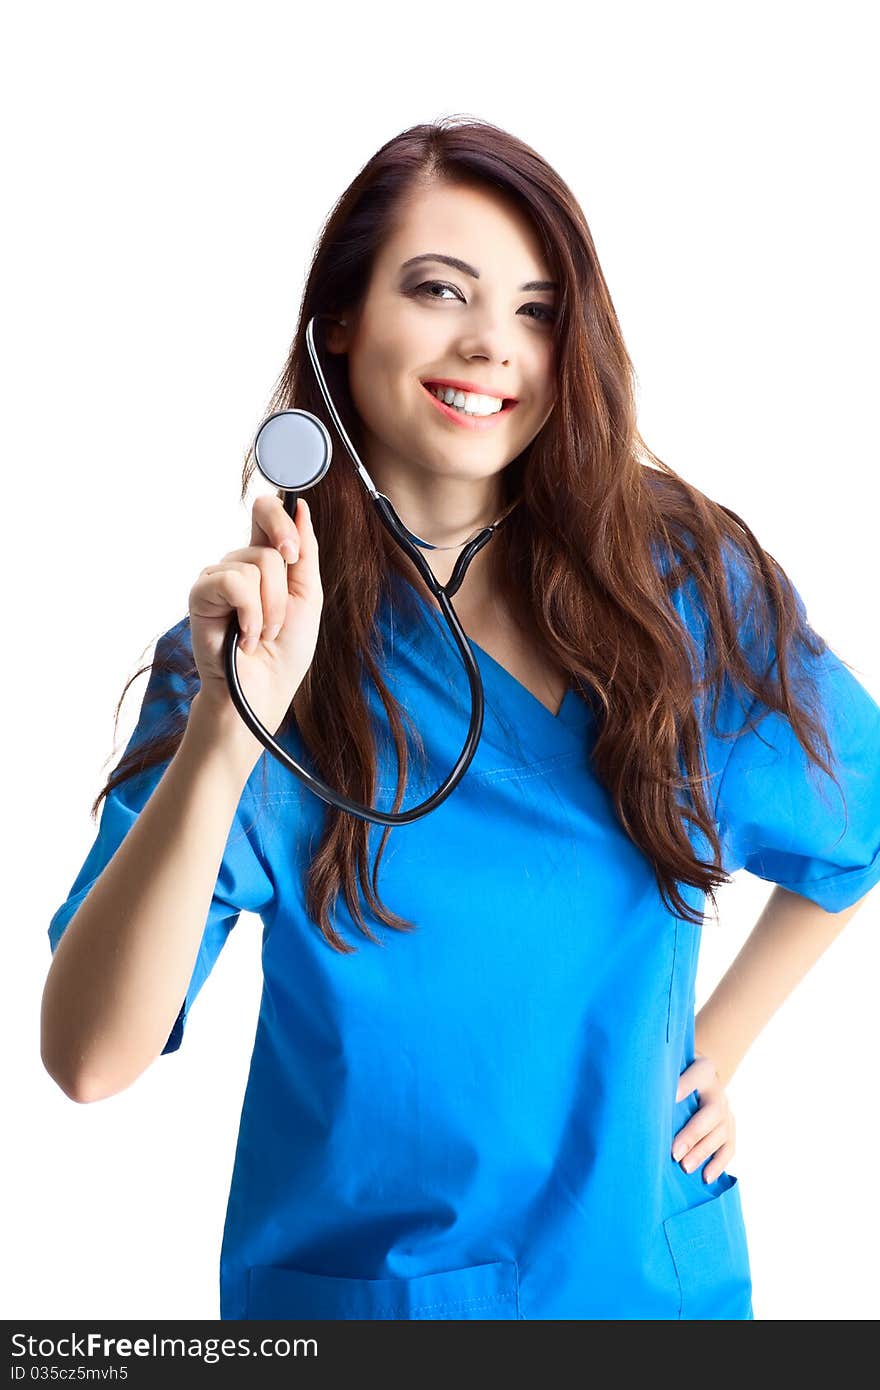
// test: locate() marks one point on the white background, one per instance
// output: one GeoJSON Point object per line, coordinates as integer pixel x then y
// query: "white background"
{"type": "Point", "coordinates": [167, 169]}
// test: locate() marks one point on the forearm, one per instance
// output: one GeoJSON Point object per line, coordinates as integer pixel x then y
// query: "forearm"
{"type": "Point", "coordinates": [788, 938]}
{"type": "Point", "coordinates": [123, 965]}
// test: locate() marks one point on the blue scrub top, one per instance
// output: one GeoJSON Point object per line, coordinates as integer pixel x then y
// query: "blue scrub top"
{"type": "Point", "coordinates": [475, 1119]}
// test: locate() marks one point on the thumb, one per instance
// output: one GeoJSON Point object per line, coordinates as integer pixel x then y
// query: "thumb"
{"type": "Point", "coordinates": [304, 576]}
{"type": "Point", "coordinates": [687, 1082]}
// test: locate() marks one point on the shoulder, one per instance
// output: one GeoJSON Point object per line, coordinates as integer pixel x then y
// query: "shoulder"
{"type": "Point", "coordinates": [740, 610]}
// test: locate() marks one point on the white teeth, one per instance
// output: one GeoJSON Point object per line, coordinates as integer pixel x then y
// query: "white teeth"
{"type": "Point", "coordinates": [469, 402]}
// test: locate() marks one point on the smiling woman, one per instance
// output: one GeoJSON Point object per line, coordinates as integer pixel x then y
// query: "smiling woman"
{"type": "Point", "coordinates": [481, 332]}
{"type": "Point", "coordinates": [465, 1107]}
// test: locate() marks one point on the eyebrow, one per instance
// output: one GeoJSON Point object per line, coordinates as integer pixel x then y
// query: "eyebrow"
{"type": "Point", "coordinates": [471, 270]}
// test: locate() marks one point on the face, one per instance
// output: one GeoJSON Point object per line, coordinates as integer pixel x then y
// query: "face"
{"type": "Point", "coordinates": [434, 322]}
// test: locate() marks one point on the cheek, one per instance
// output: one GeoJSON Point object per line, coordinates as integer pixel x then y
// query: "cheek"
{"type": "Point", "coordinates": [376, 383]}
{"type": "Point", "coordinates": [378, 374]}
{"type": "Point", "coordinates": [546, 374]}
{"type": "Point", "coordinates": [547, 390]}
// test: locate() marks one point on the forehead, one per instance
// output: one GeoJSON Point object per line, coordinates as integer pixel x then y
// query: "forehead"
{"type": "Point", "coordinates": [477, 223]}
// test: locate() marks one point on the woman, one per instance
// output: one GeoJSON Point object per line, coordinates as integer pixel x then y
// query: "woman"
{"type": "Point", "coordinates": [468, 1110]}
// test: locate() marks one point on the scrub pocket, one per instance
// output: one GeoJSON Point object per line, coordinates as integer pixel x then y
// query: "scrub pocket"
{"type": "Point", "coordinates": [488, 1291]}
{"type": "Point", "coordinates": [711, 1258]}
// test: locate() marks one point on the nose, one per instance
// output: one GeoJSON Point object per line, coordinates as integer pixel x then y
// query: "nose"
{"type": "Point", "coordinates": [489, 341]}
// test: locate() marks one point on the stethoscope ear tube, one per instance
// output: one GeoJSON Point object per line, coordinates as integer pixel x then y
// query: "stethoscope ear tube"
{"type": "Point", "coordinates": [392, 522]}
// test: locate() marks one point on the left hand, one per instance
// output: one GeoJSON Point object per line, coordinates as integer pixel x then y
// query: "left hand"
{"type": "Point", "coordinates": [711, 1130]}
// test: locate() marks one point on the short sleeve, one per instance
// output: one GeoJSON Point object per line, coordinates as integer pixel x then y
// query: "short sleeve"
{"type": "Point", "coordinates": [243, 881]}
{"type": "Point", "coordinates": [781, 817]}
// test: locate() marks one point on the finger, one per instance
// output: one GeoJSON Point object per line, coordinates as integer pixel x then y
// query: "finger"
{"type": "Point", "coordinates": [687, 1082]}
{"type": "Point", "coordinates": [719, 1163]}
{"type": "Point", "coordinates": [232, 587]}
{"type": "Point", "coordinates": [271, 526]}
{"type": "Point", "coordinates": [272, 569]}
{"type": "Point", "coordinates": [698, 1076]}
{"type": "Point", "coordinates": [304, 578]}
{"type": "Point", "coordinates": [700, 1123]}
{"type": "Point", "coordinates": [707, 1146]}
{"type": "Point", "coordinates": [274, 525]}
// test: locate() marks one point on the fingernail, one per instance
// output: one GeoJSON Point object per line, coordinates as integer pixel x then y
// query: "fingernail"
{"type": "Point", "coordinates": [272, 632]}
{"type": "Point", "coordinates": [677, 1151]}
{"type": "Point", "coordinates": [290, 551]}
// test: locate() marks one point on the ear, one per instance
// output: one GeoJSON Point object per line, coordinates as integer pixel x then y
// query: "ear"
{"type": "Point", "coordinates": [337, 334]}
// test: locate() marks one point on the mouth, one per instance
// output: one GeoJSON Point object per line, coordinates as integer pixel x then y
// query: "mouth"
{"type": "Point", "coordinates": [508, 403]}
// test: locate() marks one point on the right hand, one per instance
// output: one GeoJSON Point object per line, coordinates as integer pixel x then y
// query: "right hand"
{"type": "Point", "coordinates": [266, 592]}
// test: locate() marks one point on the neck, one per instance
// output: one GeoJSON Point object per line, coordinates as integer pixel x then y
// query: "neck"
{"type": "Point", "coordinates": [448, 512]}
{"type": "Point", "coordinates": [483, 595]}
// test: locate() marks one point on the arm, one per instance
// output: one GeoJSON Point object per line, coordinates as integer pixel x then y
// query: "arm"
{"type": "Point", "coordinates": [121, 969]}
{"type": "Point", "coordinates": [788, 938]}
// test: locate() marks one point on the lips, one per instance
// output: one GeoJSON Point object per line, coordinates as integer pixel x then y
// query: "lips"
{"type": "Point", "coordinates": [462, 420]}
{"type": "Point", "coordinates": [507, 402]}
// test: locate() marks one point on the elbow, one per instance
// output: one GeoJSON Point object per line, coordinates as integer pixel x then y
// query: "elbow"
{"type": "Point", "coordinates": [82, 1087]}
{"type": "Point", "coordinates": [77, 1089]}
{"type": "Point", "coordinates": [56, 1052]}
{"type": "Point", "coordinates": [76, 1084]}
{"type": "Point", "coordinates": [70, 1066]}
{"type": "Point", "coordinates": [84, 1095]}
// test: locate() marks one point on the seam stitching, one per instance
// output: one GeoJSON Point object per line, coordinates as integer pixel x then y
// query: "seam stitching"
{"type": "Point", "coordinates": [447, 1303]}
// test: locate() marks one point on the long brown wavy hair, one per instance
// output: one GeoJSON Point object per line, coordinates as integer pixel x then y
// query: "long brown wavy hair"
{"type": "Point", "coordinates": [578, 555]}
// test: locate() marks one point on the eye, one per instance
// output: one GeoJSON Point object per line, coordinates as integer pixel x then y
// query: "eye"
{"type": "Point", "coordinates": [547, 315]}
{"type": "Point", "coordinates": [550, 313]}
{"type": "Point", "coordinates": [434, 284]}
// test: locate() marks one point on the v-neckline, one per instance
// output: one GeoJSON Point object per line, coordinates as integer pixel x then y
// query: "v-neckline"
{"type": "Point", "coordinates": [508, 675]}
{"type": "Point", "coordinates": [570, 704]}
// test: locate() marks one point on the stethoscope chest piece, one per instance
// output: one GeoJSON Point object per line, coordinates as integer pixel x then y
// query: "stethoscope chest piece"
{"type": "Point", "coordinates": [293, 449]}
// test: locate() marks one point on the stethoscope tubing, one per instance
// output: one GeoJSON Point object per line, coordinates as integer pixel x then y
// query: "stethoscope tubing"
{"type": "Point", "coordinates": [393, 524]}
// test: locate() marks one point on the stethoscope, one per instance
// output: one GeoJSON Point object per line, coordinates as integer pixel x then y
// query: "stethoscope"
{"type": "Point", "coordinates": [293, 451]}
